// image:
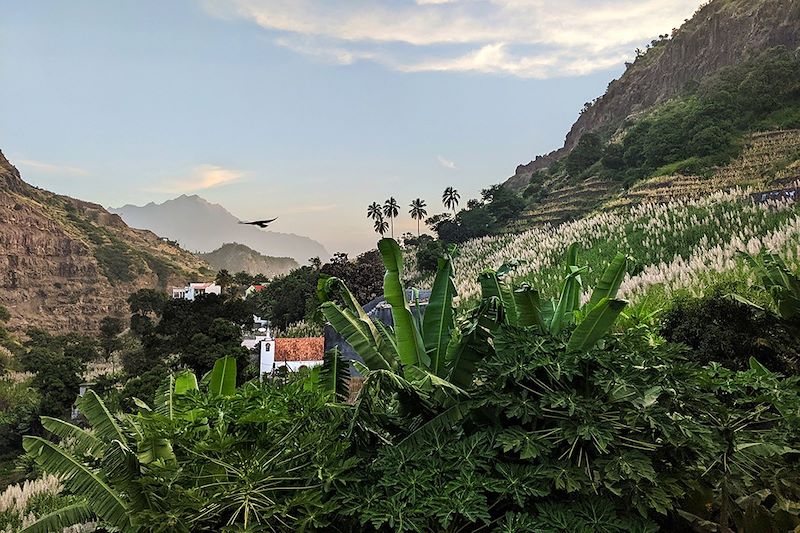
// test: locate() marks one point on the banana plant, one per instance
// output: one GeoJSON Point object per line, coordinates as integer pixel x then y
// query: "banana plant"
{"type": "Point", "coordinates": [124, 447]}
{"type": "Point", "coordinates": [780, 283]}
{"type": "Point", "coordinates": [414, 348]}
{"type": "Point", "coordinates": [525, 307]}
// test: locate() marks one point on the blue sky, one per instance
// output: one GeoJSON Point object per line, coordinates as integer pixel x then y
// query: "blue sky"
{"type": "Point", "coordinates": [304, 109]}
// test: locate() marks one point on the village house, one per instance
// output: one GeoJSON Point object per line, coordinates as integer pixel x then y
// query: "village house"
{"type": "Point", "coordinates": [290, 353]}
{"type": "Point", "coordinates": [193, 290]}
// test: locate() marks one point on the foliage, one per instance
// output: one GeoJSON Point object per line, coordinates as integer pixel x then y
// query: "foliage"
{"type": "Point", "coordinates": [587, 152]}
{"type": "Point", "coordinates": [58, 363]}
{"type": "Point", "coordinates": [288, 299]}
{"type": "Point", "coordinates": [19, 411]}
{"type": "Point", "coordinates": [723, 330]}
{"type": "Point", "coordinates": [201, 462]}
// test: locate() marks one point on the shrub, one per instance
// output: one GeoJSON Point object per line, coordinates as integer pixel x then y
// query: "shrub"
{"type": "Point", "coordinates": [719, 329]}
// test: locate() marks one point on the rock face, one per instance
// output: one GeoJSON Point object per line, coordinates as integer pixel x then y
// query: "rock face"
{"type": "Point", "coordinates": [720, 34]}
{"type": "Point", "coordinates": [66, 263]}
{"type": "Point", "coordinates": [201, 226]}
{"type": "Point", "coordinates": [235, 257]}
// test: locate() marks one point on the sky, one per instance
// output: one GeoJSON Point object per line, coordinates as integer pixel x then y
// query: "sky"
{"type": "Point", "coordinates": [307, 110]}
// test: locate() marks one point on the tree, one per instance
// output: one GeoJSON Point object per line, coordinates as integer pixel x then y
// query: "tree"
{"type": "Point", "coordinates": [381, 226]}
{"type": "Point", "coordinates": [110, 329]}
{"type": "Point", "coordinates": [222, 339]}
{"type": "Point", "coordinates": [374, 211]}
{"type": "Point", "coordinates": [587, 152]}
{"type": "Point", "coordinates": [390, 210]}
{"type": "Point", "coordinates": [418, 212]}
{"type": "Point", "coordinates": [288, 299]}
{"type": "Point", "coordinates": [224, 279]}
{"type": "Point", "coordinates": [450, 198]}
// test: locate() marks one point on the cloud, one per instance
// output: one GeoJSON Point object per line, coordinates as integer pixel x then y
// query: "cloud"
{"type": "Point", "coordinates": [51, 168]}
{"type": "Point", "coordinates": [525, 38]}
{"type": "Point", "coordinates": [446, 163]}
{"type": "Point", "coordinates": [202, 177]}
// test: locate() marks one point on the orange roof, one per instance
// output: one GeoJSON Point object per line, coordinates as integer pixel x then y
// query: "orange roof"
{"type": "Point", "coordinates": [302, 349]}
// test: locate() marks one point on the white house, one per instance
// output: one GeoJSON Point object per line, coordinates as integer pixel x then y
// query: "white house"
{"type": "Point", "coordinates": [193, 290]}
{"type": "Point", "coordinates": [291, 353]}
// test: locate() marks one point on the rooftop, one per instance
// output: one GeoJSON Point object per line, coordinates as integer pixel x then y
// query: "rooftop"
{"type": "Point", "coordinates": [300, 349]}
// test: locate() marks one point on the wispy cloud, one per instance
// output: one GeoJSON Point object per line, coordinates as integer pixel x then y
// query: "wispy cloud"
{"type": "Point", "coordinates": [446, 163]}
{"type": "Point", "coordinates": [525, 38]}
{"type": "Point", "coordinates": [51, 168]}
{"type": "Point", "coordinates": [202, 177]}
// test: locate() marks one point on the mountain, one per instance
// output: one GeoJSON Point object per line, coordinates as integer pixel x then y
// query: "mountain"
{"type": "Point", "coordinates": [66, 263]}
{"type": "Point", "coordinates": [201, 226]}
{"type": "Point", "coordinates": [722, 33]}
{"type": "Point", "coordinates": [235, 257]}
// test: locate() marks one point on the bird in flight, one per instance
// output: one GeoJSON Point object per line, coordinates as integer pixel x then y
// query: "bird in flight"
{"type": "Point", "coordinates": [260, 223]}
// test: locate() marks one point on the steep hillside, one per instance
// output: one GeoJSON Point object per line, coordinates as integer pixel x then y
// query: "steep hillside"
{"type": "Point", "coordinates": [721, 34]}
{"type": "Point", "coordinates": [235, 257]}
{"type": "Point", "coordinates": [66, 263]}
{"type": "Point", "coordinates": [201, 226]}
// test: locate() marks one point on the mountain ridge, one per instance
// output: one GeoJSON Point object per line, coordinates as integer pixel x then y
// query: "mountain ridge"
{"type": "Point", "coordinates": [235, 257]}
{"type": "Point", "coordinates": [721, 33]}
{"type": "Point", "coordinates": [203, 226]}
{"type": "Point", "coordinates": [67, 263]}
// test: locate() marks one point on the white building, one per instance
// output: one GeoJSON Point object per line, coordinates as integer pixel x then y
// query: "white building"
{"type": "Point", "coordinates": [292, 353]}
{"type": "Point", "coordinates": [193, 290]}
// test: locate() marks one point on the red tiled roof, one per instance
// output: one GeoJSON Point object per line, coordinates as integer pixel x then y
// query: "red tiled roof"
{"type": "Point", "coordinates": [257, 288]}
{"type": "Point", "coordinates": [303, 349]}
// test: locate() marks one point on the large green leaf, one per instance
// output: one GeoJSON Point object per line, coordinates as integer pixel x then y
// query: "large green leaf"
{"type": "Point", "coordinates": [329, 286]}
{"type": "Point", "coordinates": [164, 398]}
{"type": "Point", "coordinates": [334, 376]}
{"type": "Point", "coordinates": [470, 343]}
{"type": "Point", "coordinates": [80, 479]}
{"type": "Point", "coordinates": [81, 441]}
{"type": "Point", "coordinates": [70, 515]}
{"type": "Point", "coordinates": [493, 287]}
{"type": "Point", "coordinates": [438, 319]}
{"type": "Point", "coordinates": [568, 301]}
{"type": "Point", "coordinates": [610, 281]}
{"type": "Point", "coordinates": [101, 419]}
{"type": "Point", "coordinates": [223, 377]}
{"type": "Point", "coordinates": [357, 334]}
{"type": "Point", "coordinates": [529, 308]}
{"type": "Point", "coordinates": [595, 325]}
{"type": "Point", "coordinates": [184, 382]}
{"type": "Point", "coordinates": [410, 347]}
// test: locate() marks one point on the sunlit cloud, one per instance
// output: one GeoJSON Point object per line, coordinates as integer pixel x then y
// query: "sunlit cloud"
{"type": "Point", "coordinates": [50, 168]}
{"type": "Point", "coordinates": [524, 38]}
{"type": "Point", "coordinates": [201, 178]}
{"type": "Point", "coordinates": [446, 163]}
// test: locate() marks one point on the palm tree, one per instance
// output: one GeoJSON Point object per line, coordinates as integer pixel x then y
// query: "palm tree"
{"type": "Point", "coordinates": [374, 211]}
{"type": "Point", "coordinates": [450, 199]}
{"type": "Point", "coordinates": [418, 211]}
{"type": "Point", "coordinates": [381, 226]}
{"type": "Point", "coordinates": [391, 210]}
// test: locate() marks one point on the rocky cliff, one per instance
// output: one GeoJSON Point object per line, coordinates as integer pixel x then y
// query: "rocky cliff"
{"type": "Point", "coordinates": [66, 263]}
{"type": "Point", "coordinates": [720, 34]}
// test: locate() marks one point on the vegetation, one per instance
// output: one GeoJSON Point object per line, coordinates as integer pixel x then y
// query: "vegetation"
{"type": "Point", "coordinates": [563, 414]}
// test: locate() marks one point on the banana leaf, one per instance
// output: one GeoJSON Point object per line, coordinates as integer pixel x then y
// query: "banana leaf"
{"type": "Point", "coordinates": [610, 281]}
{"type": "Point", "coordinates": [437, 322]}
{"type": "Point", "coordinates": [493, 287]}
{"type": "Point", "coordinates": [223, 377]}
{"type": "Point", "coordinates": [82, 442]}
{"type": "Point", "coordinates": [106, 502]}
{"type": "Point", "coordinates": [410, 347]}
{"type": "Point", "coordinates": [60, 519]}
{"type": "Point", "coordinates": [334, 376]}
{"type": "Point", "coordinates": [529, 308]}
{"type": "Point", "coordinates": [105, 425]}
{"type": "Point", "coordinates": [358, 335]}
{"type": "Point", "coordinates": [595, 325]}
{"type": "Point", "coordinates": [568, 301]}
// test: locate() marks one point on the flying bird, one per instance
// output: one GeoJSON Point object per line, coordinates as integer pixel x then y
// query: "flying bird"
{"type": "Point", "coordinates": [260, 223]}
